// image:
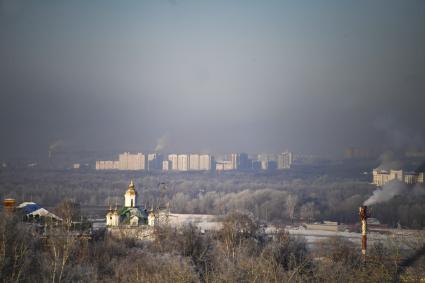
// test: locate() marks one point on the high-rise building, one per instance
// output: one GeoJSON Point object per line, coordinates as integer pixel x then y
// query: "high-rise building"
{"type": "Point", "coordinates": [264, 159]}
{"type": "Point", "coordinates": [411, 178]}
{"type": "Point", "coordinates": [234, 161]}
{"type": "Point", "coordinates": [166, 165]}
{"type": "Point", "coordinates": [154, 161]}
{"type": "Point", "coordinates": [264, 164]}
{"type": "Point", "coordinates": [284, 160]}
{"type": "Point", "coordinates": [421, 178]}
{"type": "Point", "coordinates": [127, 161]}
{"type": "Point", "coordinates": [183, 162]}
{"type": "Point", "coordinates": [205, 162]}
{"type": "Point", "coordinates": [381, 177]}
{"type": "Point", "coordinates": [224, 165]}
{"type": "Point", "coordinates": [256, 164]}
{"type": "Point", "coordinates": [151, 161]}
{"type": "Point", "coordinates": [397, 175]}
{"type": "Point", "coordinates": [271, 165]}
{"type": "Point", "coordinates": [173, 158]}
{"type": "Point", "coordinates": [243, 162]}
{"type": "Point", "coordinates": [194, 162]}
{"type": "Point", "coordinates": [123, 161]}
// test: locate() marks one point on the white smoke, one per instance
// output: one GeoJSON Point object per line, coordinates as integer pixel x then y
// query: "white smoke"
{"type": "Point", "coordinates": [161, 143]}
{"type": "Point", "coordinates": [54, 146]}
{"type": "Point", "coordinates": [388, 191]}
{"type": "Point", "coordinates": [389, 160]}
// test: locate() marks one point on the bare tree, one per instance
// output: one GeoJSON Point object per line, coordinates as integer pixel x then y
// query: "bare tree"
{"type": "Point", "coordinates": [237, 227]}
{"type": "Point", "coordinates": [16, 244]}
{"type": "Point", "coordinates": [69, 211]}
{"type": "Point", "coordinates": [291, 203]}
{"type": "Point", "coordinates": [61, 244]}
{"type": "Point", "coordinates": [307, 211]}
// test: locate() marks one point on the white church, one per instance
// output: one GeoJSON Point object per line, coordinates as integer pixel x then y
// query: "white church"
{"type": "Point", "coordinates": [137, 222]}
{"type": "Point", "coordinates": [130, 215]}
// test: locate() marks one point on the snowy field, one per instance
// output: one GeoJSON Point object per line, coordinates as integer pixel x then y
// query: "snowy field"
{"type": "Point", "coordinates": [205, 222]}
{"type": "Point", "coordinates": [399, 237]}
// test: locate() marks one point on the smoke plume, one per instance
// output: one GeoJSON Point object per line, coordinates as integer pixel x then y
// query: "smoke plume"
{"type": "Point", "coordinates": [161, 143]}
{"type": "Point", "coordinates": [390, 160]}
{"type": "Point", "coordinates": [388, 191]}
{"type": "Point", "coordinates": [53, 146]}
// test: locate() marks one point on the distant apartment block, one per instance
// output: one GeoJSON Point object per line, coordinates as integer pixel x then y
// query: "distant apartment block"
{"type": "Point", "coordinates": [173, 158]}
{"type": "Point", "coordinates": [381, 177]}
{"type": "Point", "coordinates": [267, 161]}
{"type": "Point", "coordinates": [268, 165]}
{"type": "Point", "coordinates": [166, 165]}
{"type": "Point", "coordinates": [126, 161]}
{"type": "Point", "coordinates": [224, 165]}
{"type": "Point", "coordinates": [194, 162]}
{"type": "Point", "coordinates": [154, 161]}
{"type": "Point", "coordinates": [205, 162]}
{"type": "Point", "coordinates": [188, 162]}
{"type": "Point", "coordinates": [234, 161]}
{"type": "Point", "coordinates": [151, 161]}
{"type": "Point", "coordinates": [183, 162]}
{"type": "Point", "coordinates": [107, 165]}
{"type": "Point", "coordinates": [284, 160]}
{"type": "Point", "coordinates": [244, 162]}
{"type": "Point", "coordinates": [256, 165]}
{"type": "Point", "coordinates": [264, 164]}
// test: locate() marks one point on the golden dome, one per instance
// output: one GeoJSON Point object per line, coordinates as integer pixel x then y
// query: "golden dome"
{"type": "Point", "coordinates": [131, 190]}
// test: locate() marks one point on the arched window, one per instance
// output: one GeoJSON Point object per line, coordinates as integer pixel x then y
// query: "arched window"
{"type": "Point", "coordinates": [131, 202]}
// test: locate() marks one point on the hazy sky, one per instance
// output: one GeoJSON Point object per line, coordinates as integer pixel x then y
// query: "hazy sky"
{"type": "Point", "coordinates": [309, 76]}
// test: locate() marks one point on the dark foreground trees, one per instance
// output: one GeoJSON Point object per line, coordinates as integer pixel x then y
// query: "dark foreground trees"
{"type": "Point", "coordinates": [239, 252]}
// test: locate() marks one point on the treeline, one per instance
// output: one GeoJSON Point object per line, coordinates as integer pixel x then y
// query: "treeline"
{"type": "Point", "coordinates": [280, 197]}
{"type": "Point", "coordinates": [239, 252]}
{"type": "Point", "coordinates": [406, 210]}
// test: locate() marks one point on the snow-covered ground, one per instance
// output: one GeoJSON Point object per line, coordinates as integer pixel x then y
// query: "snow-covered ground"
{"type": "Point", "coordinates": [397, 236]}
{"type": "Point", "coordinates": [202, 221]}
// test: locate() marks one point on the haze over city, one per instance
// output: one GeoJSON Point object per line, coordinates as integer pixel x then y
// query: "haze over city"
{"type": "Point", "coordinates": [212, 141]}
{"type": "Point", "coordinates": [213, 76]}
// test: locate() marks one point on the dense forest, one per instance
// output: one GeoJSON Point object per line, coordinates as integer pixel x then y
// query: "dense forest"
{"type": "Point", "coordinates": [279, 197]}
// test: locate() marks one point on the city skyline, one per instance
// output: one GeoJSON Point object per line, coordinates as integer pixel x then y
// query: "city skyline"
{"type": "Point", "coordinates": [196, 162]}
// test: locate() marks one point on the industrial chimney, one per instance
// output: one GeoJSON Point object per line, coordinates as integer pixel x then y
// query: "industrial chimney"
{"type": "Point", "coordinates": [364, 215]}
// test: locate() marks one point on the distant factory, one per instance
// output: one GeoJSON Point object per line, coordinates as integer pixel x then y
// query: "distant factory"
{"type": "Point", "coordinates": [197, 162]}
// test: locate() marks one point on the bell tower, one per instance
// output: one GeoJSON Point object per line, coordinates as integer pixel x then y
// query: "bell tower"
{"type": "Point", "coordinates": [130, 196]}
